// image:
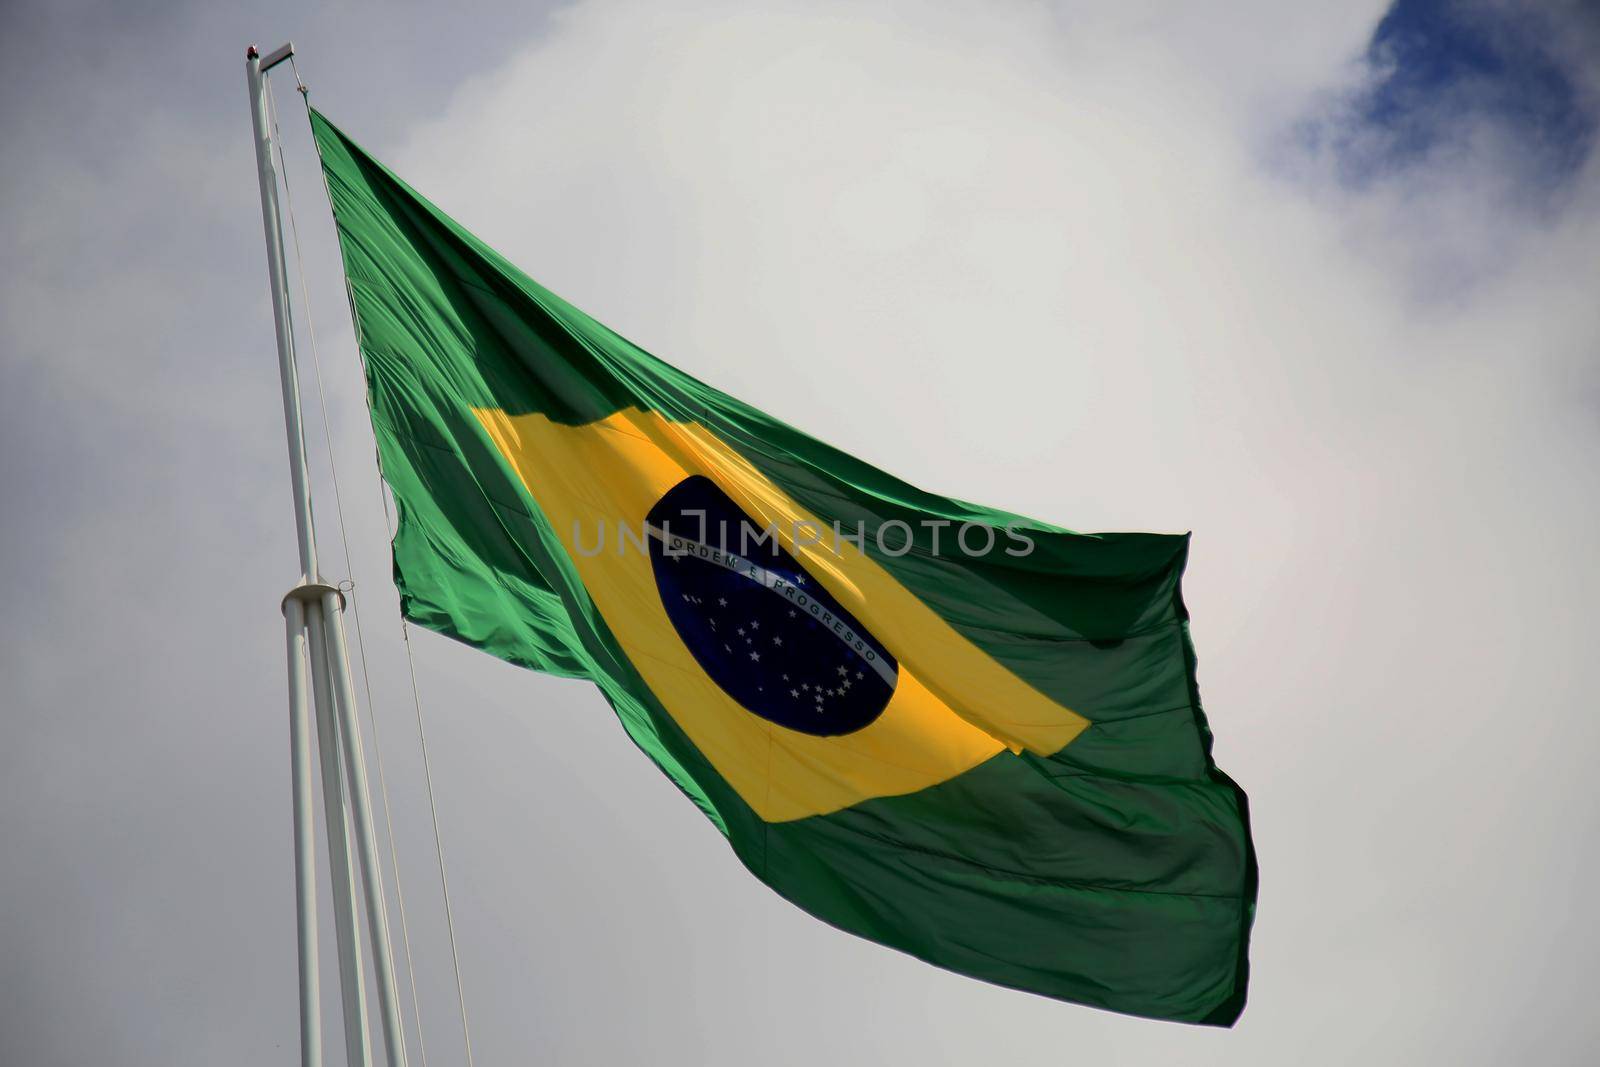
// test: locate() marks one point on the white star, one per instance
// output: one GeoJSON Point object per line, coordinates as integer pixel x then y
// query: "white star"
{"type": "Point", "coordinates": [860, 675]}
{"type": "Point", "coordinates": [741, 631]}
{"type": "Point", "coordinates": [794, 692]}
{"type": "Point", "coordinates": [755, 655]}
{"type": "Point", "coordinates": [804, 686]}
{"type": "Point", "coordinates": [843, 673]}
{"type": "Point", "coordinates": [722, 600]}
{"type": "Point", "coordinates": [754, 625]}
{"type": "Point", "coordinates": [778, 641]}
{"type": "Point", "coordinates": [791, 614]}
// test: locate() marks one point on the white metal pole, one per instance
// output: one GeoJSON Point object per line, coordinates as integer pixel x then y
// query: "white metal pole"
{"type": "Point", "coordinates": [299, 728]}
{"type": "Point", "coordinates": [330, 670]}
{"type": "Point", "coordinates": [366, 837]}
{"type": "Point", "coordinates": [305, 885]}
{"type": "Point", "coordinates": [272, 222]}
{"type": "Point", "coordinates": [335, 804]}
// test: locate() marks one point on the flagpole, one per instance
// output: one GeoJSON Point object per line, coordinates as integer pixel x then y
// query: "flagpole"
{"type": "Point", "coordinates": [343, 691]}
{"type": "Point", "coordinates": [335, 806]}
{"type": "Point", "coordinates": [312, 611]}
{"type": "Point", "coordinates": [272, 222]}
{"type": "Point", "coordinates": [305, 887]}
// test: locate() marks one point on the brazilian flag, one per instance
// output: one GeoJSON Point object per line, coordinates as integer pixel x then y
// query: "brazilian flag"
{"type": "Point", "coordinates": [961, 733]}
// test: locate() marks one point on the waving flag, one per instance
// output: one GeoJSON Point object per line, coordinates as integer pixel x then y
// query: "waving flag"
{"type": "Point", "coordinates": [961, 733]}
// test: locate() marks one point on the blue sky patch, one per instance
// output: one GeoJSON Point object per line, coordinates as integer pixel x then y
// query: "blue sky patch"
{"type": "Point", "coordinates": [1441, 72]}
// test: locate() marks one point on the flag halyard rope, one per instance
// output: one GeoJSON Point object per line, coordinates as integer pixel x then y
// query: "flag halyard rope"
{"type": "Point", "coordinates": [390, 529]}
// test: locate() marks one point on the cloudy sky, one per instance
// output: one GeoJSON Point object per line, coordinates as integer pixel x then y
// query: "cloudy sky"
{"type": "Point", "coordinates": [1315, 281]}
